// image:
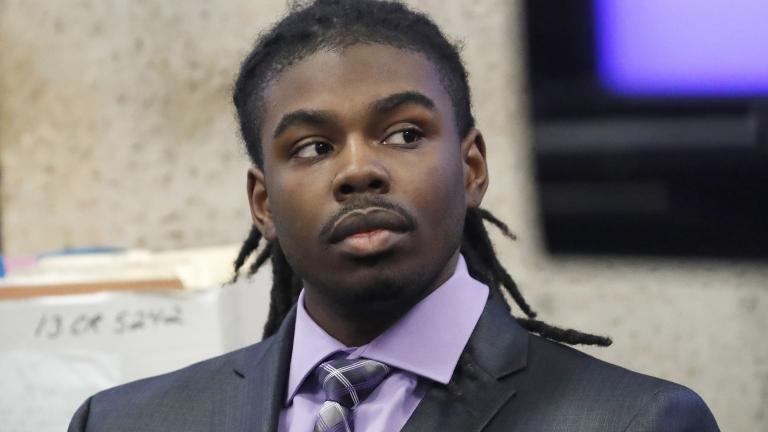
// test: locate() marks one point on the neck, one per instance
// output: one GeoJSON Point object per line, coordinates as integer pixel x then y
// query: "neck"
{"type": "Point", "coordinates": [353, 329]}
{"type": "Point", "coordinates": [359, 324]}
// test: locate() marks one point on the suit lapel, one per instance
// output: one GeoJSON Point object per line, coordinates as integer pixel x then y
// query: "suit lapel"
{"type": "Point", "coordinates": [262, 385]}
{"type": "Point", "coordinates": [478, 389]}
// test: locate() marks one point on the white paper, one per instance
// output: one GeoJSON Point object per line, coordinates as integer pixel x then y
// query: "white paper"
{"type": "Point", "coordinates": [57, 351]}
{"type": "Point", "coordinates": [40, 391]}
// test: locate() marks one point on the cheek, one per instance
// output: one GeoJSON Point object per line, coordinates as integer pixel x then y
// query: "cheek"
{"type": "Point", "coordinates": [440, 191]}
{"type": "Point", "coordinates": [294, 206]}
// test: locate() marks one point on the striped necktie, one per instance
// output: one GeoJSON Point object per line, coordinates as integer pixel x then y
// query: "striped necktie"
{"type": "Point", "coordinates": [346, 383]}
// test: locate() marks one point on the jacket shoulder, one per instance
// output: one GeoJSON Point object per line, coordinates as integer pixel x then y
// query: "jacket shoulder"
{"type": "Point", "coordinates": [185, 397]}
{"type": "Point", "coordinates": [565, 364]}
{"type": "Point", "coordinates": [563, 386]}
{"type": "Point", "coordinates": [675, 408]}
{"type": "Point", "coordinates": [186, 379]}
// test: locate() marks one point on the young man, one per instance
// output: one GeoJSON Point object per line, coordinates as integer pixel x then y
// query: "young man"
{"type": "Point", "coordinates": [387, 308]}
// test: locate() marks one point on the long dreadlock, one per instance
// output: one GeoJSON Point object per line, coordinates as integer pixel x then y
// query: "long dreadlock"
{"type": "Point", "coordinates": [476, 248]}
{"type": "Point", "coordinates": [341, 23]}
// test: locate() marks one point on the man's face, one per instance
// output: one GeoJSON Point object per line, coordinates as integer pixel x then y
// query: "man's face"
{"type": "Point", "coordinates": [365, 181]}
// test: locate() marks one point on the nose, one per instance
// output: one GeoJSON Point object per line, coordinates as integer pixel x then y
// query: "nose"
{"type": "Point", "coordinates": [360, 172]}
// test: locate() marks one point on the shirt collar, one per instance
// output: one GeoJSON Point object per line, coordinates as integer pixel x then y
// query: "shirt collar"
{"type": "Point", "coordinates": [426, 341]}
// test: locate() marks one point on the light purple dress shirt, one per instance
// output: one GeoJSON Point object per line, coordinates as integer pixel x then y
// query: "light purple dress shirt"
{"type": "Point", "coordinates": [423, 345]}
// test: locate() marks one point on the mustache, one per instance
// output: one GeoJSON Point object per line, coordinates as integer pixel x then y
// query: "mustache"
{"type": "Point", "coordinates": [363, 202]}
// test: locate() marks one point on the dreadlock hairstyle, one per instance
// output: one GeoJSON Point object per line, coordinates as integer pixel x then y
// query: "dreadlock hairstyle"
{"type": "Point", "coordinates": [336, 24]}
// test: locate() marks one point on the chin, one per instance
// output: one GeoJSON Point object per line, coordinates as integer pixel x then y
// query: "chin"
{"type": "Point", "coordinates": [378, 287]}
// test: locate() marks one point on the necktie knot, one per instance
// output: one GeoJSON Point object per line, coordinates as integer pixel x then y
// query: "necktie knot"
{"type": "Point", "coordinates": [349, 381]}
{"type": "Point", "coordinates": [346, 383]}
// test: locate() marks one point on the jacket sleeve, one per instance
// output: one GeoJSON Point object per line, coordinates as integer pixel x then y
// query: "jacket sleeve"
{"type": "Point", "coordinates": [79, 421]}
{"type": "Point", "coordinates": [675, 409]}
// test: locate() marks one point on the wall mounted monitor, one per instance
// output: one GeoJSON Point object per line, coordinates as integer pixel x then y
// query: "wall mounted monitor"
{"type": "Point", "coordinates": [650, 125]}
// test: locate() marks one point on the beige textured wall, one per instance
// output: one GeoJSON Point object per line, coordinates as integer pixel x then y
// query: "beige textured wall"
{"type": "Point", "coordinates": [116, 129]}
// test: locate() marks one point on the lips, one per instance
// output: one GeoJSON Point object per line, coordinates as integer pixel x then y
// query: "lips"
{"type": "Point", "coordinates": [368, 220]}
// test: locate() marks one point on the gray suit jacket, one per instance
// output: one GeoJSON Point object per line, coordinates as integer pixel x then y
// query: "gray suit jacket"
{"type": "Point", "coordinates": [507, 380]}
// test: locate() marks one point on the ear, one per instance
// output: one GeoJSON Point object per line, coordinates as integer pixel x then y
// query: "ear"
{"type": "Point", "coordinates": [258, 200]}
{"type": "Point", "coordinates": [475, 168]}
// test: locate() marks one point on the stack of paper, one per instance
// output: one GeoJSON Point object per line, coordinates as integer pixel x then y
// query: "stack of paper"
{"type": "Point", "coordinates": [55, 350]}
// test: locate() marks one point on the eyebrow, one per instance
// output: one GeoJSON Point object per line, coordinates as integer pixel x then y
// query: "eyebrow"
{"type": "Point", "coordinates": [380, 107]}
{"type": "Point", "coordinates": [395, 101]}
{"type": "Point", "coordinates": [303, 117]}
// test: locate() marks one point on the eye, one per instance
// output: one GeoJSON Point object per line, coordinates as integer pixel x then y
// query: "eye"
{"type": "Point", "coordinates": [313, 150]}
{"type": "Point", "coordinates": [404, 136]}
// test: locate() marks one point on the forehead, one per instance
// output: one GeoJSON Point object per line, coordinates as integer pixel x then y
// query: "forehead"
{"type": "Point", "coordinates": [345, 82]}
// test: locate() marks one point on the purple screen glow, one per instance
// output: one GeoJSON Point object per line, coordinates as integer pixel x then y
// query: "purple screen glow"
{"type": "Point", "coordinates": [709, 48]}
